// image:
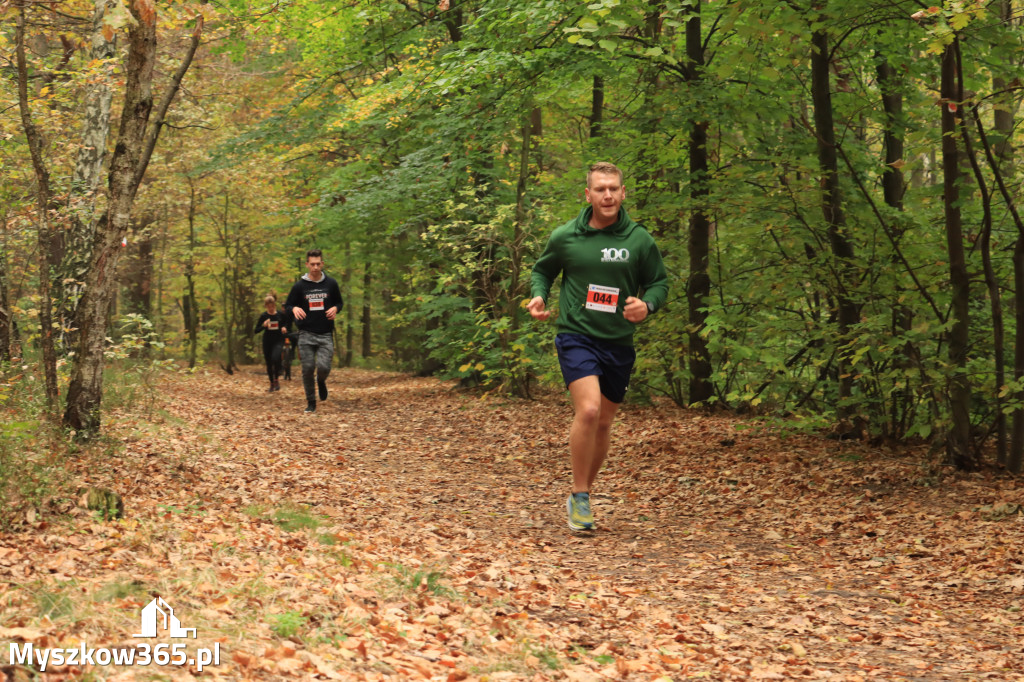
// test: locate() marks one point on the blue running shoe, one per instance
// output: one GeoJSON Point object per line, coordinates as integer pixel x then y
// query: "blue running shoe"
{"type": "Point", "coordinates": [580, 516]}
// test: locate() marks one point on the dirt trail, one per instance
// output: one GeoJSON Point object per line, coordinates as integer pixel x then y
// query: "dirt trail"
{"type": "Point", "coordinates": [443, 554]}
{"type": "Point", "coordinates": [741, 551]}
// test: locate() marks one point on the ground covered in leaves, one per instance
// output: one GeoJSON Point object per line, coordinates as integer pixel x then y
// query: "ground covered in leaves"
{"type": "Point", "coordinates": [409, 530]}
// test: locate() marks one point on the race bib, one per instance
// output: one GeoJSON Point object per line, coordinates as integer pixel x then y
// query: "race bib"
{"type": "Point", "coordinates": [273, 326]}
{"type": "Point", "coordinates": [316, 304]}
{"type": "Point", "coordinates": [603, 299]}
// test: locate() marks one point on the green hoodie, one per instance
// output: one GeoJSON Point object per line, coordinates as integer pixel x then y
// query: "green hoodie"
{"type": "Point", "coordinates": [600, 269]}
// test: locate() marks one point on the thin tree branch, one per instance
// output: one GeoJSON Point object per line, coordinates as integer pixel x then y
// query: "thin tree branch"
{"type": "Point", "coordinates": [889, 234]}
{"type": "Point", "coordinates": [165, 104]}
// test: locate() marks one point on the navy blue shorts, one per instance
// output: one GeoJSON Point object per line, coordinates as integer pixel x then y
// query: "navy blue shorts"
{"type": "Point", "coordinates": [582, 356]}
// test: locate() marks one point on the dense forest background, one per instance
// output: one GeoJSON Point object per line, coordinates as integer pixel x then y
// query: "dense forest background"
{"type": "Point", "coordinates": [833, 185]}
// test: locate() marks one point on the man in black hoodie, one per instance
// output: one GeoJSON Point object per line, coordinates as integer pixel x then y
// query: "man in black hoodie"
{"type": "Point", "coordinates": [314, 302]}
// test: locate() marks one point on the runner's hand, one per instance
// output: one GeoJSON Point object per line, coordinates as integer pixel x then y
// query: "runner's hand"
{"type": "Point", "coordinates": [331, 312]}
{"type": "Point", "coordinates": [536, 308]}
{"type": "Point", "coordinates": [635, 310]}
{"type": "Point", "coordinates": [298, 313]}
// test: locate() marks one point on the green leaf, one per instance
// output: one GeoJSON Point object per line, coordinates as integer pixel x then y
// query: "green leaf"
{"type": "Point", "coordinates": [609, 45]}
{"type": "Point", "coordinates": [959, 21]}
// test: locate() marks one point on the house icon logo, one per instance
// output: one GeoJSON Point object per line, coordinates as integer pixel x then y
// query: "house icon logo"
{"type": "Point", "coordinates": [159, 612]}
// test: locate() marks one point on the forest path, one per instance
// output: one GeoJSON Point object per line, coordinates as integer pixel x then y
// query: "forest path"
{"type": "Point", "coordinates": [409, 530]}
{"type": "Point", "coordinates": [733, 552]}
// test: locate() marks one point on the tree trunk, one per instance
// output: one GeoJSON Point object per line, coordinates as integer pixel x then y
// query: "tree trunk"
{"type": "Point", "coordinates": [227, 285]}
{"type": "Point", "coordinates": [85, 390]}
{"type": "Point", "coordinates": [86, 387]}
{"type": "Point", "coordinates": [158, 312]}
{"type": "Point", "coordinates": [1015, 457]}
{"type": "Point", "coordinates": [1003, 128]}
{"type": "Point", "coordinates": [516, 291]}
{"type": "Point", "coordinates": [5, 304]}
{"type": "Point", "coordinates": [698, 286]}
{"type": "Point", "coordinates": [1004, 104]}
{"type": "Point", "coordinates": [127, 166]}
{"type": "Point", "coordinates": [367, 335]}
{"type": "Point", "coordinates": [44, 230]}
{"type": "Point", "coordinates": [191, 307]}
{"type": "Point", "coordinates": [647, 166]}
{"type": "Point", "coordinates": [597, 107]}
{"type": "Point", "coordinates": [893, 188]}
{"type": "Point", "coordinates": [992, 284]}
{"type": "Point", "coordinates": [835, 221]}
{"type": "Point", "coordinates": [85, 180]}
{"type": "Point", "coordinates": [958, 445]}
{"type": "Point", "coordinates": [350, 330]}
{"type": "Point", "coordinates": [137, 274]}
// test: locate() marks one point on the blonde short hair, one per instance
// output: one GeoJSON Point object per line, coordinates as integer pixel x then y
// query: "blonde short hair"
{"type": "Point", "coordinates": [604, 167]}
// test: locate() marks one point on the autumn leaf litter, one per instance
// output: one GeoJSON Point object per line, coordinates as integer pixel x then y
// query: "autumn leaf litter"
{"type": "Point", "coordinates": [409, 530]}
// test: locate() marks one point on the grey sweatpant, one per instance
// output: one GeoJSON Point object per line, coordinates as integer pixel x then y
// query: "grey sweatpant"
{"type": "Point", "coordinates": [316, 350]}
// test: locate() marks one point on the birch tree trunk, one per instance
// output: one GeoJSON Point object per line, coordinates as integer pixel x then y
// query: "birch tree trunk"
{"type": "Point", "coordinates": [85, 389]}
{"type": "Point", "coordinates": [78, 242]}
{"type": "Point", "coordinates": [135, 143]}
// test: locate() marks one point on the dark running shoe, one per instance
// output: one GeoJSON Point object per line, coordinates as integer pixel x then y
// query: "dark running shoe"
{"type": "Point", "coordinates": [310, 407]}
{"type": "Point", "coordinates": [322, 385]}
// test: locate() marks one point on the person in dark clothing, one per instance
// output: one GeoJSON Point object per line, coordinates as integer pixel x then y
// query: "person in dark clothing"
{"type": "Point", "coordinates": [314, 302]}
{"type": "Point", "coordinates": [274, 325]}
{"type": "Point", "coordinates": [288, 354]}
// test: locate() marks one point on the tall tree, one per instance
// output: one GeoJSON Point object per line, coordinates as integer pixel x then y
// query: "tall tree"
{"type": "Point", "coordinates": [135, 142]}
{"type": "Point", "coordinates": [698, 285]}
{"type": "Point", "coordinates": [77, 243]}
{"type": "Point", "coordinates": [847, 313]}
{"type": "Point", "coordinates": [958, 440]}
{"type": "Point", "coordinates": [44, 229]}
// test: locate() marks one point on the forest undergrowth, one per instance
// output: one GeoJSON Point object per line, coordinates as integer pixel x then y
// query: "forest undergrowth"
{"type": "Point", "coordinates": [410, 530]}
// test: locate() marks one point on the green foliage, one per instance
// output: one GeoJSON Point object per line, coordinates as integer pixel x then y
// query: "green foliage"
{"type": "Point", "coordinates": [53, 603]}
{"type": "Point", "coordinates": [121, 589]}
{"type": "Point", "coordinates": [31, 472]}
{"type": "Point", "coordinates": [133, 365]}
{"type": "Point", "coordinates": [292, 519]}
{"type": "Point", "coordinates": [287, 624]}
{"type": "Point", "coordinates": [422, 579]}
{"type": "Point", "coordinates": [472, 308]}
{"type": "Point", "coordinates": [430, 152]}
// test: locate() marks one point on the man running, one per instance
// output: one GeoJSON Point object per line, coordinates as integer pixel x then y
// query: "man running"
{"type": "Point", "coordinates": [612, 279]}
{"type": "Point", "coordinates": [314, 302]}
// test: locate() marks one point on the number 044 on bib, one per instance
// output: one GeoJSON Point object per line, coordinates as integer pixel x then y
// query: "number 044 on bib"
{"type": "Point", "coordinates": [603, 299]}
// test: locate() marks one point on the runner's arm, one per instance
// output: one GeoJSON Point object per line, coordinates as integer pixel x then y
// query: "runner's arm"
{"type": "Point", "coordinates": [654, 279]}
